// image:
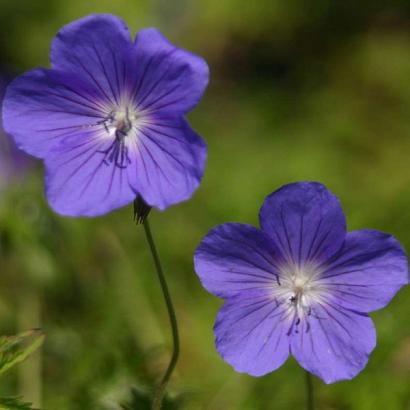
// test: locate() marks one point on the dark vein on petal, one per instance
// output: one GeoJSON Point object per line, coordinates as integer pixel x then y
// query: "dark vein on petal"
{"type": "Point", "coordinates": [255, 275]}
{"type": "Point", "coordinates": [141, 157]}
{"type": "Point", "coordinates": [237, 258]}
{"type": "Point", "coordinates": [158, 169]}
{"type": "Point", "coordinates": [151, 105]}
{"type": "Point", "coordinates": [79, 167]}
{"type": "Point", "coordinates": [350, 284]}
{"type": "Point", "coordinates": [314, 238]}
{"type": "Point", "coordinates": [91, 75]}
{"type": "Point", "coordinates": [334, 318]}
{"type": "Point", "coordinates": [94, 104]}
{"type": "Point", "coordinates": [78, 155]}
{"type": "Point", "coordinates": [74, 101]}
{"type": "Point", "coordinates": [252, 281]}
{"type": "Point", "coordinates": [181, 140]}
{"type": "Point", "coordinates": [161, 148]}
{"type": "Point", "coordinates": [267, 339]}
{"type": "Point", "coordinates": [343, 292]}
{"type": "Point", "coordinates": [112, 176]}
{"type": "Point", "coordinates": [83, 143]}
{"type": "Point", "coordinates": [300, 241]}
{"type": "Point", "coordinates": [141, 101]}
{"type": "Point", "coordinates": [260, 322]}
{"type": "Point", "coordinates": [114, 61]}
{"type": "Point", "coordinates": [286, 233]}
{"type": "Point", "coordinates": [270, 262]}
{"type": "Point", "coordinates": [105, 73]}
{"type": "Point", "coordinates": [64, 112]}
{"type": "Point", "coordinates": [142, 78]}
{"type": "Point", "coordinates": [319, 245]}
{"type": "Point", "coordinates": [360, 269]}
{"type": "Point", "coordinates": [71, 133]}
{"type": "Point", "coordinates": [164, 125]}
{"type": "Point", "coordinates": [91, 177]}
{"type": "Point", "coordinates": [313, 345]}
{"type": "Point", "coordinates": [282, 247]}
{"type": "Point", "coordinates": [261, 303]}
{"type": "Point", "coordinates": [77, 127]}
{"type": "Point", "coordinates": [169, 103]}
{"type": "Point", "coordinates": [329, 341]}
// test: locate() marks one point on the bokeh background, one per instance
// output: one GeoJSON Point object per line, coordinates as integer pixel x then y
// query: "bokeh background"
{"type": "Point", "coordinates": [300, 90]}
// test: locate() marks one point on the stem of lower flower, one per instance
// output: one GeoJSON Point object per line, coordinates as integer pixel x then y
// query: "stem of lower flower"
{"type": "Point", "coordinates": [160, 390]}
{"type": "Point", "coordinates": [309, 392]}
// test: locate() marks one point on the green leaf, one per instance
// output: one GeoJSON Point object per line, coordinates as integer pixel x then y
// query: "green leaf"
{"type": "Point", "coordinates": [14, 403]}
{"type": "Point", "coordinates": [15, 349]}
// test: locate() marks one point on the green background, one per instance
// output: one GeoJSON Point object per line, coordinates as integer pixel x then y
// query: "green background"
{"type": "Point", "coordinates": [300, 90]}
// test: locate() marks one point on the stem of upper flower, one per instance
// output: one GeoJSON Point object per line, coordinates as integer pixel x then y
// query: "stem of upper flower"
{"type": "Point", "coordinates": [309, 392]}
{"type": "Point", "coordinates": [160, 390]}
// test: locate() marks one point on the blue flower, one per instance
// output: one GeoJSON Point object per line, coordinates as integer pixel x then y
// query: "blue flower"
{"type": "Point", "coordinates": [108, 118]}
{"type": "Point", "coordinates": [300, 285]}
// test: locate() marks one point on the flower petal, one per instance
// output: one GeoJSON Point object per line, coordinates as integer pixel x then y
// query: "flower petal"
{"type": "Point", "coordinates": [367, 272]}
{"type": "Point", "coordinates": [80, 179]}
{"type": "Point", "coordinates": [95, 48]}
{"type": "Point", "coordinates": [235, 257]}
{"type": "Point", "coordinates": [171, 161]}
{"type": "Point", "coordinates": [250, 335]}
{"type": "Point", "coordinates": [333, 343]}
{"type": "Point", "coordinates": [167, 79]}
{"type": "Point", "coordinates": [42, 107]}
{"type": "Point", "coordinates": [305, 220]}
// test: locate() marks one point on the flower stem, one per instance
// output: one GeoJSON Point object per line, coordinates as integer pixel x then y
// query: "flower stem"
{"type": "Point", "coordinates": [309, 392]}
{"type": "Point", "coordinates": [160, 390]}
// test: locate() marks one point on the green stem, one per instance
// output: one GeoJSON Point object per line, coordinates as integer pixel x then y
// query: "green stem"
{"type": "Point", "coordinates": [309, 392]}
{"type": "Point", "coordinates": [160, 390]}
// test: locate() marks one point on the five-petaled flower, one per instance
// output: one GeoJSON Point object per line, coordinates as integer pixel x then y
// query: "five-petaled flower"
{"type": "Point", "coordinates": [108, 118]}
{"type": "Point", "coordinates": [300, 285]}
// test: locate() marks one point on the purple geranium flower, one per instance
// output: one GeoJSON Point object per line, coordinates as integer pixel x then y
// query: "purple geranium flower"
{"type": "Point", "coordinates": [108, 118]}
{"type": "Point", "coordinates": [301, 285]}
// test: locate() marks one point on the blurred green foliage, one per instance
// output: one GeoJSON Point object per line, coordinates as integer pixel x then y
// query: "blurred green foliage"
{"type": "Point", "coordinates": [14, 403]}
{"type": "Point", "coordinates": [14, 350]}
{"type": "Point", "coordinates": [300, 90]}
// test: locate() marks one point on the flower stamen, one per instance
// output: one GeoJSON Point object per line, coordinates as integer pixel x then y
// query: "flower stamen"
{"type": "Point", "coordinates": [118, 123]}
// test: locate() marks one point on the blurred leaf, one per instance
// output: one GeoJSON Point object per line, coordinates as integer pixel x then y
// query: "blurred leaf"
{"type": "Point", "coordinates": [15, 349]}
{"type": "Point", "coordinates": [14, 403]}
{"type": "Point", "coordinates": [142, 401]}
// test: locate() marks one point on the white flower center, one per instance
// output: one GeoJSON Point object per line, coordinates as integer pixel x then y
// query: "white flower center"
{"type": "Point", "coordinates": [121, 122]}
{"type": "Point", "coordinates": [122, 126]}
{"type": "Point", "coordinates": [299, 289]}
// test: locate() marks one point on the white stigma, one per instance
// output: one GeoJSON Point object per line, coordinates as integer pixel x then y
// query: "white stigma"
{"type": "Point", "coordinates": [299, 289]}
{"type": "Point", "coordinates": [122, 127]}
{"type": "Point", "coordinates": [122, 122]}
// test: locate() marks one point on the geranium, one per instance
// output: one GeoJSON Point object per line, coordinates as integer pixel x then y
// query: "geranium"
{"type": "Point", "coordinates": [108, 118]}
{"type": "Point", "coordinates": [300, 285]}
